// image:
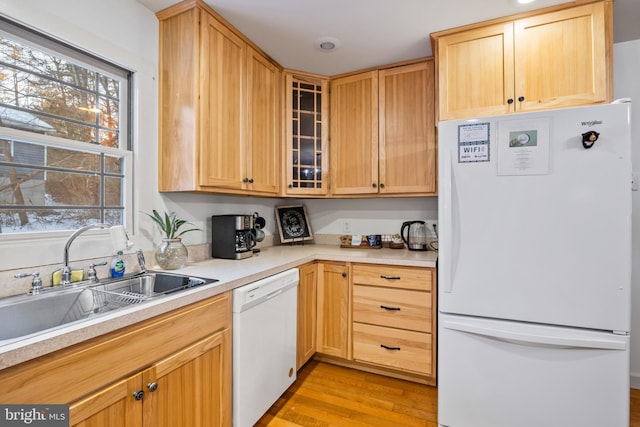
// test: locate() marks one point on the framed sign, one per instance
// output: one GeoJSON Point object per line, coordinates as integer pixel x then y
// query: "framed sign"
{"type": "Point", "coordinates": [293, 224]}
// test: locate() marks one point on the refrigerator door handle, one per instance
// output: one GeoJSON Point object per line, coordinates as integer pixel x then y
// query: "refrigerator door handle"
{"type": "Point", "coordinates": [534, 338]}
{"type": "Point", "coordinates": [449, 223]}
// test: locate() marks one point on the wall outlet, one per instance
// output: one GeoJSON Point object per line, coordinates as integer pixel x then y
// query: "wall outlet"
{"type": "Point", "coordinates": [346, 227]}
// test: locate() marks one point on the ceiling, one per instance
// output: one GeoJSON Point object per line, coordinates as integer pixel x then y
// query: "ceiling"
{"type": "Point", "coordinates": [369, 33]}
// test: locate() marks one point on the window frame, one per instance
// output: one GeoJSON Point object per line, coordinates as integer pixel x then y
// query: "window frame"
{"type": "Point", "coordinates": [59, 48]}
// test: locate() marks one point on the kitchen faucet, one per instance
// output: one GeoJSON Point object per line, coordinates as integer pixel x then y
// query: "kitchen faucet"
{"type": "Point", "coordinates": [65, 271]}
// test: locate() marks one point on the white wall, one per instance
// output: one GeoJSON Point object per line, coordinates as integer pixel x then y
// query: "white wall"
{"type": "Point", "coordinates": [627, 84]}
{"type": "Point", "coordinates": [369, 216]}
{"type": "Point", "coordinates": [125, 32]}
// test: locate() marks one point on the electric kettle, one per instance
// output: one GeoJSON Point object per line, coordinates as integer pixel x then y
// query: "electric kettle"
{"type": "Point", "coordinates": [414, 234]}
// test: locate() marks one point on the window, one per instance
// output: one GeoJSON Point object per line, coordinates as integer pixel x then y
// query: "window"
{"type": "Point", "coordinates": [65, 149]}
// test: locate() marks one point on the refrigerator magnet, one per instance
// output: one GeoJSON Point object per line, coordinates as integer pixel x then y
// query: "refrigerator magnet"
{"type": "Point", "coordinates": [589, 138]}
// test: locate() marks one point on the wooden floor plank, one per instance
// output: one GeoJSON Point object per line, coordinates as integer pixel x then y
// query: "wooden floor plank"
{"type": "Point", "coordinates": [352, 394]}
{"type": "Point", "coordinates": [326, 395]}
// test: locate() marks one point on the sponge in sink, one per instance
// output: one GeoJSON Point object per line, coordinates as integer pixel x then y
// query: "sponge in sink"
{"type": "Point", "coordinates": [76, 276]}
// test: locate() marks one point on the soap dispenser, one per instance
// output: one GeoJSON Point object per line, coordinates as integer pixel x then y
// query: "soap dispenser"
{"type": "Point", "coordinates": [117, 265]}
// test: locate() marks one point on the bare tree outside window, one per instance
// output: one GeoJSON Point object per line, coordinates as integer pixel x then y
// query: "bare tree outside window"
{"type": "Point", "coordinates": [63, 165]}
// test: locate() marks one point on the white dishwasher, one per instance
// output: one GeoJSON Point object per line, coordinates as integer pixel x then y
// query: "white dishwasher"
{"type": "Point", "coordinates": [264, 344]}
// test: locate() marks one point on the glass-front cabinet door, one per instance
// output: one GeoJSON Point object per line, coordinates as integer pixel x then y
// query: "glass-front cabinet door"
{"type": "Point", "coordinates": [306, 135]}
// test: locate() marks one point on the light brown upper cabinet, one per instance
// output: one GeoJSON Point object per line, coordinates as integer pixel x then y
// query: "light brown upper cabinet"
{"type": "Point", "coordinates": [407, 139]}
{"type": "Point", "coordinates": [263, 124]}
{"type": "Point", "coordinates": [553, 58]}
{"type": "Point", "coordinates": [307, 134]}
{"type": "Point", "coordinates": [220, 106]}
{"type": "Point", "coordinates": [354, 134]}
{"type": "Point", "coordinates": [383, 132]}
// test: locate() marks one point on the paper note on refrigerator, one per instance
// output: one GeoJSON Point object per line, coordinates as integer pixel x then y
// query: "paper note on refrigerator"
{"type": "Point", "coordinates": [523, 147]}
{"type": "Point", "coordinates": [473, 143]}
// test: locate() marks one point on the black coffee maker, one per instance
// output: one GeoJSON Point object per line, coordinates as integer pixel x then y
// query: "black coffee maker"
{"type": "Point", "coordinates": [231, 236]}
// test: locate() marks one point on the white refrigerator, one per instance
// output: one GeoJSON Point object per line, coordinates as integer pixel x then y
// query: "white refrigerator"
{"type": "Point", "coordinates": [534, 269]}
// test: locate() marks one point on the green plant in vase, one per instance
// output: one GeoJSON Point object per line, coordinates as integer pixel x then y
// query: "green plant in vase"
{"type": "Point", "coordinates": [171, 254]}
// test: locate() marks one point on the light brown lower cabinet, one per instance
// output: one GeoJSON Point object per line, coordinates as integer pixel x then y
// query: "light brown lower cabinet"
{"type": "Point", "coordinates": [333, 319]}
{"type": "Point", "coordinates": [159, 372]}
{"type": "Point", "coordinates": [111, 406]}
{"type": "Point", "coordinates": [394, 318]}
{"type": "Point", "coordinates": [186, 388]}
{"type": "Point", "coordinates": [379, 318]}
{"type": "Point", "coordinates": [392, 348]}
{"type": "Point", "coordinates": [306, 327]}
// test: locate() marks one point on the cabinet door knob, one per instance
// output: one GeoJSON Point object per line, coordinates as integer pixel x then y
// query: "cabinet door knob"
{"type": "Point", "coordinates": [521, 98]}
{"type": "Point", "coordinates": [290, 185]}
{"type": "Point", "coordinates": [510, 101]}
{"type": "Point", "coordinates": [250, 180]}
{"type": "Point", "coordinates": [381, 185]}
{"type": "Point", "coordinates": [245, 180]}
{"type": "Point", "coordinates": [374, 185]}
{"type": "Point", "coordinates": [344, 274]}
{"type": "Point", "coordinates": [152, 386]}
{"type": "Point", "coordinates": [138, 395]}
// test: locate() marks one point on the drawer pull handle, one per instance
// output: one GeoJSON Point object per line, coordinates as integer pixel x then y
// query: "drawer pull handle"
{"type": "Point", "coordinates": [389, 348]}
{"type": "Point", "coordinates": [390, 277]}
{"type": "Point", "coordinates": [390, 308]}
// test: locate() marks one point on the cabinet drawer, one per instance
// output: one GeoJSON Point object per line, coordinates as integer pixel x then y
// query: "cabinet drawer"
{"type": "Point", "coordinates": [397, 308]}
{"type": "Point", "coordinates": [393, 276]}
{"type": "Point", "coordinates": [407, 350]}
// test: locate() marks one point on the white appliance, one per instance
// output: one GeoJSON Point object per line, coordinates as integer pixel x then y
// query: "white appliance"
{"type": "Point", "coordinates": [264, 344]}
{"type": "Point", "coordinates": [535, 269]}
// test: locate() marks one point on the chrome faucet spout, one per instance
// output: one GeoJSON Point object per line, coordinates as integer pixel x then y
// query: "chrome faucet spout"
{"type": "Point", "coordinates": [141, 262]}
{"type": "Point", "coordinates": [65, 272]}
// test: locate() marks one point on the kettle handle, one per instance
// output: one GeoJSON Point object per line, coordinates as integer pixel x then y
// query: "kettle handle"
{"type": "Point", "coordinates": [405, 225]}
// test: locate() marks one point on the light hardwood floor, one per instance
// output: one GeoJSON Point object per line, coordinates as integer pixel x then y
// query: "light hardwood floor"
{"type": "Point", "coordinates": [325, 395]}
{"type": "Point", "coordinates": [635, 408]}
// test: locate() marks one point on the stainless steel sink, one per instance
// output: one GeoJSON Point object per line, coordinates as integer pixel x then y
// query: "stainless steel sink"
{"type": "Point", "coordinates": [25, 315]}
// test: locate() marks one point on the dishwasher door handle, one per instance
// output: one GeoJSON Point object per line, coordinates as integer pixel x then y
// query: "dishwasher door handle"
{"type": "Point", "coordinates": [273, 294]}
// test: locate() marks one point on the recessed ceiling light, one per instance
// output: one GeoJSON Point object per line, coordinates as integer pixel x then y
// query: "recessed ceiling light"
{"type": "Point", "coordinates": [327, 44]}
{"type": "Point", "coordinates": [524, 1]}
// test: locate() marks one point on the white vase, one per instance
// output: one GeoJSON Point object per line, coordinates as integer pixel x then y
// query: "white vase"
{"type": "Point", "coordinates": [171, 254]}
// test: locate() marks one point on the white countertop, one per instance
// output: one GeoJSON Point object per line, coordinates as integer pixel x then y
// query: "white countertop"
{"type": "Point", "coordinates": [230, 274]}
